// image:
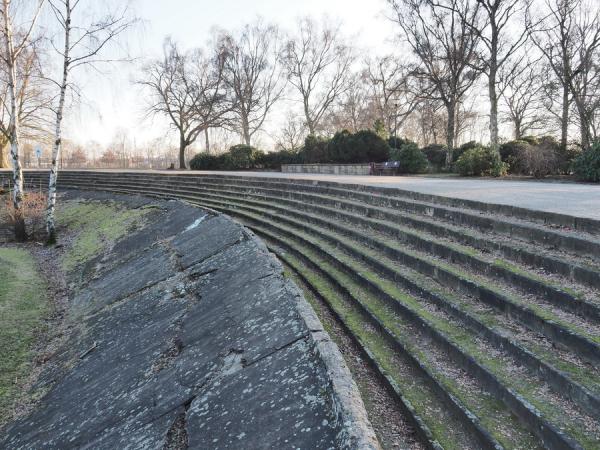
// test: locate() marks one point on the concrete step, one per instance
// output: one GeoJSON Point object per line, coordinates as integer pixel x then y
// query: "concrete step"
{"type": "Point", "coordinates": [440, 306]}
{"type": "Point", "coordinates": [149, 191]}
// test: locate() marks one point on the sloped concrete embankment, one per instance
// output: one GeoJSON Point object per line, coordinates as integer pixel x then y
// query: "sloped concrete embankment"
{"type": "Point", "coordinates": [187, 335]}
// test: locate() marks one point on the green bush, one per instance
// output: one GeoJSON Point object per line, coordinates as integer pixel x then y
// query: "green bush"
{"type": "Point", "coordinates": [412, 160]}
{"type": "Point", "coordinates": [436, 155]}
{"type": "Point", "coordinates": [274, 160]}
{"type": "Point", "coordinates": [533, 140]}
{"type": "Point", "coordinates": [398, 142]}
{"type": "Point", "coordinates": [480, 161]}
{"type": "Point", "coordinates": [205, 161]}
{"type": "Point", "coordinates": [370, 145]}
{"type": "Point", "coordinates": [587, 165]}
{"type": "Point", "coordinates": [244, 157]}
{"type": "Point", "coordinates": [345, 148]}
{"type": "Point", "coordinates": [360, 147]}
{"type": "Point", "coordinates": [238, 157]}
{"type": "Point", "coordinates": [314, 150]}
{"type": "Point", "coordinates": [512, 153]}
{"type": "Point", "coordinates": [457, 153]}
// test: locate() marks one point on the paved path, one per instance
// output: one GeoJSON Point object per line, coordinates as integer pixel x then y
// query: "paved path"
{"type": "Point", "coordinates": [582, 200]}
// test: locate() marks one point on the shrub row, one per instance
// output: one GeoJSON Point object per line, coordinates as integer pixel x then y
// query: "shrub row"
{"type": "Point", "coordinates": [538, 157]}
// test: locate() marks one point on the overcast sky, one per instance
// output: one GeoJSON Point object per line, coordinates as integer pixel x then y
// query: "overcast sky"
{"type": "Point", "coordinates": [113, 101]}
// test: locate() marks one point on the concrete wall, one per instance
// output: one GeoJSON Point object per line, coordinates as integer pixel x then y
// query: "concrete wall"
{"type": "Point", "coordinates": [330, 169]}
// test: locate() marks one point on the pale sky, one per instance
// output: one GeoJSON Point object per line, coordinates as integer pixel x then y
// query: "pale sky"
{"type": "Point", "coordinates": [113, 101]}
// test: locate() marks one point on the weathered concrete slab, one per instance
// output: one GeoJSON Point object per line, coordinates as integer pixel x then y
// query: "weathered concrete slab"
{"type": "Point", "coordinates": [194, 331]}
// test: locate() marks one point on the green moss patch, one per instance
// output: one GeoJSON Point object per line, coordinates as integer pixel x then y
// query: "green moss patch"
{"type": "Point", "coordinates": [97, 226]}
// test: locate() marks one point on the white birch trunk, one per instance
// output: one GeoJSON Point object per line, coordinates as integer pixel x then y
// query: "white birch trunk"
{"type": "Point", "coordinates": [50, 219]}
{"type": "Point", "coordinates": [13, 127]}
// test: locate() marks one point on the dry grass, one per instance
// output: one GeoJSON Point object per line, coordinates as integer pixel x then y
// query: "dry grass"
{"type": "Point", "coordinates": [33, 209]}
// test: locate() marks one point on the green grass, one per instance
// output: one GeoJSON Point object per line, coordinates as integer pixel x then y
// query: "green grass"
{"type": "Point", "coordinates": [97, 226]}
{"type": "Point", "coordinates": [22, 308]}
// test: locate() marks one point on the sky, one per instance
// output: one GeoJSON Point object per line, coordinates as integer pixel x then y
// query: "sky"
{"type": "Point", "coordinates": [111, 101]}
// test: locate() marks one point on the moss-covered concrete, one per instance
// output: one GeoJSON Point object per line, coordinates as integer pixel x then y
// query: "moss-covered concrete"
{"type": "Point", "coordinates": [97, 225]}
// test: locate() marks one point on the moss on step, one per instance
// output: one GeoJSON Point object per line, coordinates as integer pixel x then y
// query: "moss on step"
{"type": "Point", "coordinates": [491, 412]}
{"type": "Point", "coordinates": [455, 270]}
{"type": "Point", "coordinates": [443, 427]}
{"type": "Point", "coordinates": [23, 306]}
{"type": "Point", "coordinates": [97, 225]}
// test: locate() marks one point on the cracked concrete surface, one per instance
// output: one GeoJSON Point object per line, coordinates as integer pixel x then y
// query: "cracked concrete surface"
{"type": "Point", "coordinates": [188, 336]}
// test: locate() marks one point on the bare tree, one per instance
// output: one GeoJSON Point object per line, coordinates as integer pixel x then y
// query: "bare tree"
{"type": "Point", "coordinates": [553, 35]}
{"type": "Point", "coordinates": [501, 37]}
{"type": "Point", "coordinates": [440, 34]}
{"type": "Point", "coordinates": [188, 88]}
{"type": "Point", "coordinates": [13, 47]}
{"type": "Point", "coordinates": [391, 91]}
{"type": "Point", "coordinates": [292, 133]}
{"type": "Point", "coordinates": [569, 38]}
{"type": "Point", "coordinates": [253, 73]}
{"type": "Point", "coordinates": [523, 89]}
{"type": "Point", "coordinates": [352, 111]}
{"type": "Point", "coordinates": [33, 98]}
{"type": "Point", "coordinates": [84, 38]}
{"type": "Point", "coordinates": [318, 63]}
{"type": "Point", "coordinates": [584, 83]}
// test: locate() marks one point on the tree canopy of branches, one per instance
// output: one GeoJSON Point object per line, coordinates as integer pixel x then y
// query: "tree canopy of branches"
{"type": "Point", "coordinates": [84, 37]}
{"type": "Point", "coordinates": [501, 38]}
{"type": "Point", "coordinates": [391, 91]}
{"type": "Point", "coordinates": [522, 90]}
{"type": "Point", "coordinates": [14, 45]}
{"type": "Point", "coordinates": [568, 35]}
{"type": "Point", "coordinates": [318, 63]}
{"type": "Point", "coordinates": [189, 89]}
{"type": "Point", "coordinates": [33, 98]}
{"type": "Point", "coordinates": [253, 74]}
{"type": "Point", "coordinates": [441, 36]}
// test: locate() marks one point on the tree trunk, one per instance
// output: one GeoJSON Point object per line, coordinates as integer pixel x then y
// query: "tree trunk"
{"type": "Point", "coordinates": [245, 129]}
{"type": "Point", "coordinates": [309, 122]}
{"type": "Point", "coordinates": [518, 132]}
{"type": "Point", "coordinates": [182, 147]}
{"type": "Point", "coordinates": [585, 127]}
{"type": "Point", "coordinates": [13, 128]}
{"type": "Point", "coordinates": [4, 149]}
{"type": "Point", "coordinates": [207, 140]}
{"type": "Point", "coordinates": [50, 222]}
{"type": "Point", "coordinates": [494, 144]}
{"type": "Point", "coordinates": [450, 130]}
{"type": "Point", "coordinates": [564, 120]}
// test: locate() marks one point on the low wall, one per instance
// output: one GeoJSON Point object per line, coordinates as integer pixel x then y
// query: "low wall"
{"type": "Point", "coordinates": [329, 169]}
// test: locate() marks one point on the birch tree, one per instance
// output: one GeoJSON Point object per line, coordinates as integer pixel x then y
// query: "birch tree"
{"type": "Point", "coordinates": [440, 34]}
{"type": "Point", "coordinates": [34, 97]}
{"type": "Point", "coordinates": [318, 64]}
{"type": "Point", "coordinates": [254, 75]}
{"type": "Point", "coordinates": [13, 47]}
{"type": "Point", "coordinates": [189, 90]}
{"type": "Point", "coordinates": [85, 38]}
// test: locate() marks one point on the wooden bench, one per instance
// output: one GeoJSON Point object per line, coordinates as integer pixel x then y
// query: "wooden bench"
{"type": "Point", "coordinates": [385, 168]}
